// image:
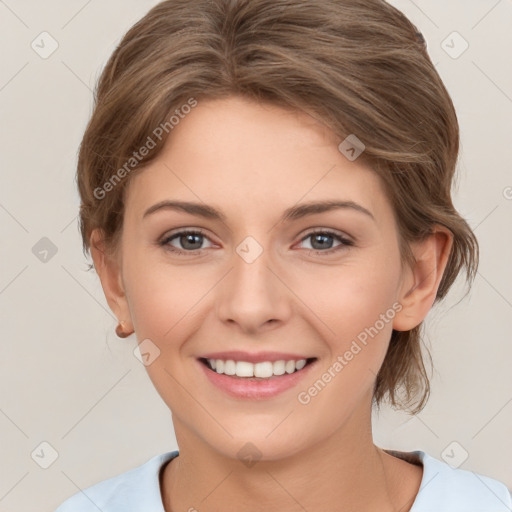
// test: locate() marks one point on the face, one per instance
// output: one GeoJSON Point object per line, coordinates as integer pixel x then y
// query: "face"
{"type": "Point", "coordinates": [313, 284]}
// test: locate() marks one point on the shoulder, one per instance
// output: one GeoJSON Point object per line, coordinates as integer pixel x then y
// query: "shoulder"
{"type": "Point", "coordinates": [447, 489]}
{"type": "Point", "coordinates": [134, 490]}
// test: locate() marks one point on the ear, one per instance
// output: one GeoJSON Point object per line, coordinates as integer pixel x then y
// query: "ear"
{"type": "Point", "coordinates": [421, 282]}
{"type": "Point", "coordinates": [108, 269]}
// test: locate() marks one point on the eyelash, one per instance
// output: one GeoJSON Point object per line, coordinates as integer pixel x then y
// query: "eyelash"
{"type": "Point", "coordinates": [345, 242]}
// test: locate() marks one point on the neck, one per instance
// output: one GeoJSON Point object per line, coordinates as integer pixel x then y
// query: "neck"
{"type": "Point", "coordinates": [345, 472]}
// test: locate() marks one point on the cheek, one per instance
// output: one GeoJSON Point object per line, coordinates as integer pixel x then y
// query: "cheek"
{"type": "Point", "coordinates": [353, 296]}
{"type": "Point", "coordinates": [161, 295]}
{"type": "Point", "coordinates": [359, 308]}
{"type": "Point", "coordinates": [164, 302]}
{"type": "Point", "coordinates": [358, 304]}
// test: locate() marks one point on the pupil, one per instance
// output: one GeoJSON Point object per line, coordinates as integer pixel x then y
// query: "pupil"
{"type": "Point", "coordinates": [322, 237]}
{"type": "Point", "coordinates": [189, 237]}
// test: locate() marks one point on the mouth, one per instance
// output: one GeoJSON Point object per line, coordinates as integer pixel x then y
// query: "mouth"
{"type": "Point", "coordinates": [256, 381]}
{"type": "Point", "coordinates": [263, 371]}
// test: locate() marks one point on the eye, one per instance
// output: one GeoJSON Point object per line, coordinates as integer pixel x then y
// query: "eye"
{"type": "Point", "coordinates": [190, 242]}
{"type": "Point", "coordinates": [321, 241]}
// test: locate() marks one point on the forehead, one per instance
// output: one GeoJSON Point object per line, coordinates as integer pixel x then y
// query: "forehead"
{"type": "Point", "coordinates": [245, 156]}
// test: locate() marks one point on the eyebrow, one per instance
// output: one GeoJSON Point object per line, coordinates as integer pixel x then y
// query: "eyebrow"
{"type": "Point", "coordinates": [293, 213]}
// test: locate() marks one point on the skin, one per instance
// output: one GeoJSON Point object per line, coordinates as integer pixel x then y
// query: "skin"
{"type": "Point", "coordinates": [253, 161]}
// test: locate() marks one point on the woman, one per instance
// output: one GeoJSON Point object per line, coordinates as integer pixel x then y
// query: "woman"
{"type": "Point", "coordinates": [265, 193]}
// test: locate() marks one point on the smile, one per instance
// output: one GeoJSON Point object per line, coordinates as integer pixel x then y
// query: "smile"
{"type": "Point", "coordinates": [255, 381]}
{"type": "Point", "coordinates": [261, 370]}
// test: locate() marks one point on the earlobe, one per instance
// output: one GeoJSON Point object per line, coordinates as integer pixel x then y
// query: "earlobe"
{"type": "Point", "coordinates": [109, 271]}
{"type": "Point", "coordinates": [419, 287]}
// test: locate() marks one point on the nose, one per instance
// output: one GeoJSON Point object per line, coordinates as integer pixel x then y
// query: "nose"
{"type": "Point", "coordinates": [254, 295]}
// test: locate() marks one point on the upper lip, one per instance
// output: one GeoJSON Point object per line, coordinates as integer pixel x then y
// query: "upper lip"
{"type": "Point", "coordinates": [259, 357]}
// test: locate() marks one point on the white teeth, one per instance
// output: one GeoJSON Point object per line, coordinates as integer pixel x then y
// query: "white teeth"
{"type": "Point", "coordinates": [263, 370]}
{"type": "Point", "coordinates": [289, 366]}
{"type": "Point", "coordinates": [244, 369]}
{"type": "Point", "coordinates": [278, 367]}
{"type": "Point", "coordinates": [229, 367]}
{"type": "Point", "coordinates": [300, 364]}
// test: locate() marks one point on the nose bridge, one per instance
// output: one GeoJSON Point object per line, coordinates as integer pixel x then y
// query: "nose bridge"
{"type": "Point", "coordinates": [251, 293]}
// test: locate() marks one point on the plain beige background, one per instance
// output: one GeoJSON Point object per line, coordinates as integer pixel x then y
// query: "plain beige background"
{"type": "Point", "coordinates": [67, 381]}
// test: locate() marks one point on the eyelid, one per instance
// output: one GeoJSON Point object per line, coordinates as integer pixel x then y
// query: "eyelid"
{"type": "Point", "coordinates": [183, 231]}
{"type": "Point", "coordinates": [341, 234]}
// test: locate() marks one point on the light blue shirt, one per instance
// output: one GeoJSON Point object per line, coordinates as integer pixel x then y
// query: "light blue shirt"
{"type": "Point", "coordinates": [443, 489]}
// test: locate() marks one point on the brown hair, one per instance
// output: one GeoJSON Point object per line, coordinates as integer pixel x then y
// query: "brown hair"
{"type": "Point", "coordinates": [358, 66]}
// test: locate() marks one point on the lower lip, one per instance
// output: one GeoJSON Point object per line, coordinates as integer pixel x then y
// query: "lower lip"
{"type": "Point", "coordinates": [243, 387]}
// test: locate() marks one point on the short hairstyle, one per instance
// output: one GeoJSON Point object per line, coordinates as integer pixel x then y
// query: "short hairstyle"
{"type": "Point", "coordinates": [358, 66]}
